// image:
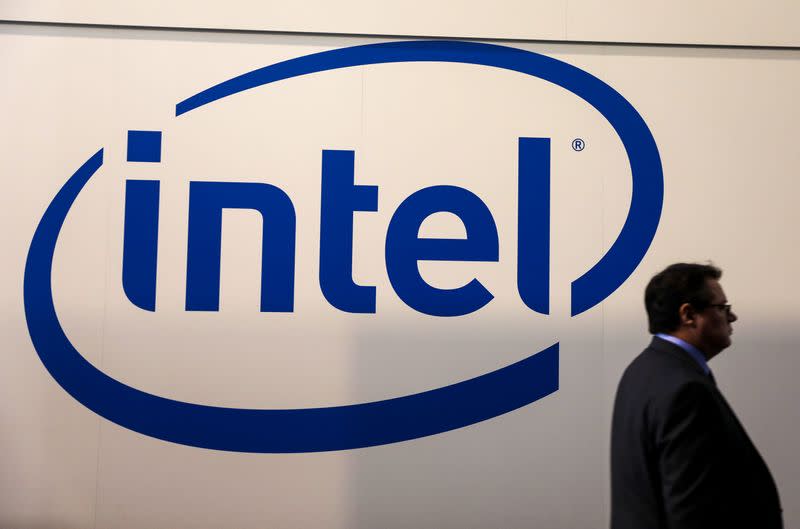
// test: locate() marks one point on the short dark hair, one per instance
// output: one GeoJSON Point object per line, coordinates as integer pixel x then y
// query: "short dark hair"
{"type": "Point", "coordinates": [677, 284]}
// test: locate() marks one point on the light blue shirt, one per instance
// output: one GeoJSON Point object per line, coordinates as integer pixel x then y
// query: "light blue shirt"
{"type": "Point", "coordinates": [693, 351]}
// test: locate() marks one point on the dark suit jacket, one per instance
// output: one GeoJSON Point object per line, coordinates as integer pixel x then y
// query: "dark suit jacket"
{"type": "Point", "coordinates": [680, 459]}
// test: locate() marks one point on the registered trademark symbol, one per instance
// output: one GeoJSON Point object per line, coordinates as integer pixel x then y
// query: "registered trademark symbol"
{"type": "Point", "coordinates": [578, 144]}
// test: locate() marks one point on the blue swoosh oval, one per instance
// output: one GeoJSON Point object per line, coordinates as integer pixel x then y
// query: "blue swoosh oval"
{"type": "Point", "coordinates": [374, 423]}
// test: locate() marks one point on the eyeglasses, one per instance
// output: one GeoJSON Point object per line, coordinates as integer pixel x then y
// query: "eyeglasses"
{"type": "Point", "coordinates": [724, 307]}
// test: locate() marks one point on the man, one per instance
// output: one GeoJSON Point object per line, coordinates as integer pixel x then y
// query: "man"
{"type": "Point", "coordinates": [680, 459]}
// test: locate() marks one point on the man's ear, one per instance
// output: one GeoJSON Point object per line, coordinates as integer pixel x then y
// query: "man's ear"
{"type": "Point", "coordinates": [687, 315]}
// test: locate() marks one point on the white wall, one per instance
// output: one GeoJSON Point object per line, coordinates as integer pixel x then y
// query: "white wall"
{"type": "Point", "coordinates": [749, 23]}
{"type": "Point", "coordinates": [723, 120]}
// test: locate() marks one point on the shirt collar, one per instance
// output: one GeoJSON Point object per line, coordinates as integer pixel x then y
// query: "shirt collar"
{"type": "Point", "coordinates": [693, 351]}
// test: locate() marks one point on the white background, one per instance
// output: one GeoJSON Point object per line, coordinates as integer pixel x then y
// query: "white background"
{"type": "Point", "coordinates": [745, 22]}
{"type": "Point", "coordinates": [724, 121]}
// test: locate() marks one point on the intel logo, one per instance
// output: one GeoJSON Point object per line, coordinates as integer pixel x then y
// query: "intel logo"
{"type": "Point", "coordinates": [323, 210]}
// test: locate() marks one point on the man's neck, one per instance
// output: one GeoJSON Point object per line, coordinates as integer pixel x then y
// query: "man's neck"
{"type": "Point", "coordinates": [692, 340]}
{"type": "Point", "coordinates": [690, 350]}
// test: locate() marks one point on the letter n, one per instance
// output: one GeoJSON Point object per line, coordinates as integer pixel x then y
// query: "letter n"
{"type": "Point", "coordinates": [206, 202]}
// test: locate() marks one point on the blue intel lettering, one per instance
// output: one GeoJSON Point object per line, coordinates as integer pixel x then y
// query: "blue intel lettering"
{"type": "Point", "coordinates": [341, 198]}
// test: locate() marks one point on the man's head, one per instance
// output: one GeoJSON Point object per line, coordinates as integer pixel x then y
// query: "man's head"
{"type": "Point", "coordinates": [687, 301]}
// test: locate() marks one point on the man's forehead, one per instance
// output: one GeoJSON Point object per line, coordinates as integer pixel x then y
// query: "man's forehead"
{"type": "Point", "coordinates": [715, 289]}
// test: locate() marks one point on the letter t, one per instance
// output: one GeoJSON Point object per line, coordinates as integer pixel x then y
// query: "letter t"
{"type": "Point", "coordinates": [341, 198]}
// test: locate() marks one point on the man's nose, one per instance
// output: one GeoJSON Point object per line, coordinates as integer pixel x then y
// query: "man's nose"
{"type": "Point", "coordinates": [732, 317]}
